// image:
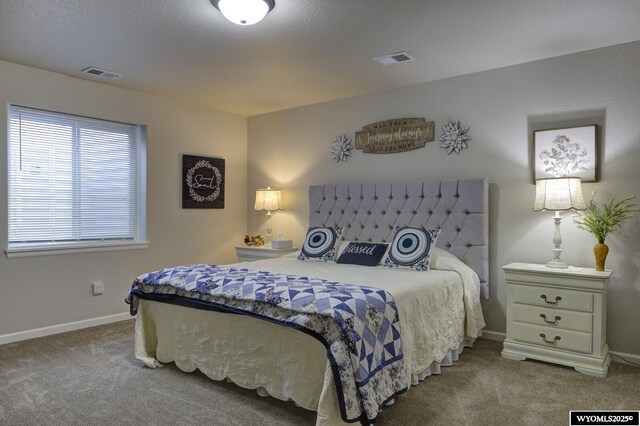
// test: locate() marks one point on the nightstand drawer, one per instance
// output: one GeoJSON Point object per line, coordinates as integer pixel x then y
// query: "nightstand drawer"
{"type": "Point", "coordinates": [553, 318]}
{"type": "Point", "coordinates": [552, 338]}
{"type": "Point", "coordinates": [553, 298]}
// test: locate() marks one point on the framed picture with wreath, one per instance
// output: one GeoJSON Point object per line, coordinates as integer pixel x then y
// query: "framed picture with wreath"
{"type": "Point", "coordinates": [202, 182]}
{"type": "Point", "coordinates": [571, 151]}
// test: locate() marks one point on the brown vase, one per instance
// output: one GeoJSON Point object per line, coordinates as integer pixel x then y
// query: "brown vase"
{"type": "Point", "coordinates": [600, 251]}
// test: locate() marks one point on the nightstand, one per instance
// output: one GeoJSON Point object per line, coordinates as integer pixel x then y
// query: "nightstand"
{"type": "Point", "coordinates": [558, 316]}
{"type": "Point", "coordinates": [251, 253]}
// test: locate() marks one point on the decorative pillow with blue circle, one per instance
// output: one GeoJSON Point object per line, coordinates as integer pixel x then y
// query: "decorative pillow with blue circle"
{"type": "Point", "coordinates": [411, 248]}
{"type": "Point", "coordinates": [320, 243]}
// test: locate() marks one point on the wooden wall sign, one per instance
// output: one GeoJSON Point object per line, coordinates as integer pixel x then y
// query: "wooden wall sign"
{"type": "Point", "coordinates": [398, 135]}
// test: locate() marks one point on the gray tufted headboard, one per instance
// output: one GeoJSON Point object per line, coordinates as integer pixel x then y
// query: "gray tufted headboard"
{"type": "Point", "coordinates": [369, 212]}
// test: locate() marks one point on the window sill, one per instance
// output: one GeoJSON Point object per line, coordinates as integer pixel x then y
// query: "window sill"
{"type": "Point", "coordinates": [29, 250]}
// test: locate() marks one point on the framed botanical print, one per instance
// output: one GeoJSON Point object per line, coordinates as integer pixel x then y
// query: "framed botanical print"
{"type": "Point", "coordinates": [571, 151]}
{"type": "Point", "coordinates": [202, 182]}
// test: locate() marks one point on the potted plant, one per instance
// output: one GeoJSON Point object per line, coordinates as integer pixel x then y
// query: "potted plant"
{"type": "Point", "coordinates": [602, 220]}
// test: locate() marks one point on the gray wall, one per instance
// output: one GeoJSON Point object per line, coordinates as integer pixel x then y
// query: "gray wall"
{"type": "Point", "coordinates": [290, 149]}
{"type": "Point", "coordinates": [49, 290]}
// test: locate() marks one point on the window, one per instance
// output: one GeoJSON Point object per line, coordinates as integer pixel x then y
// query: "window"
{"type": "Point", "coordinates": [75, 183]}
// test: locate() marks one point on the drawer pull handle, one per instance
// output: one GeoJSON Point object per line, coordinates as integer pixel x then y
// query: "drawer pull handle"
{"type": "Point", "coordinates": [544, 297]}
{"type": "Point", "coordinates": [544, 317]}
{"type": "Point", "coordinates": [551, 342]}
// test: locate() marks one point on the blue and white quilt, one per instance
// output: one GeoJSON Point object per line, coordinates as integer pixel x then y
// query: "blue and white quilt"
{"type": "Point", "coordinates": [358, 325]}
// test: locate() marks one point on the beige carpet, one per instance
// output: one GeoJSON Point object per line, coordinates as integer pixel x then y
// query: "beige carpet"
{"type": "Point", "coordinates": [90, 377]}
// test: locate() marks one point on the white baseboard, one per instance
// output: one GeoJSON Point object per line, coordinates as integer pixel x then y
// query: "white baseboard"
{"type": "Point", "coordinates": [494, 335]}
{"type": "Point", "coordinates": [62, 328]}
{"type": "Point", "coordinates": [630, 359]}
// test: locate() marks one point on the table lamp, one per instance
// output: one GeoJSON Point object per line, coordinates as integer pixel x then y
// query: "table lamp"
{"type": "Point", "coordinates": [558, 194]}
{"type": "Point", "coordinates": [269, 200]}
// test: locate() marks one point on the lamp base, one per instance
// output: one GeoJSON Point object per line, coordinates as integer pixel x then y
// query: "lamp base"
{"type": "Point", "coordinates": [557, 264]}
{"type": "Point", "coordinates": [267, 242]}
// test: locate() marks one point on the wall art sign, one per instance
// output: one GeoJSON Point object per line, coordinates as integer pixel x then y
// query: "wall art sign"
{"type": "Point", "coordinates": [202, 182]}
{"type": "Point", "coordinates": [398, 135]}
{"type": "Point", "coordinates": [569, 151]}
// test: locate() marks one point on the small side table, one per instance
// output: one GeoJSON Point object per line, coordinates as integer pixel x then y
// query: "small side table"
{"type": "Point", "coordinates": [558, 315]}
{"type": "Point", "coordinates": [252, 253]}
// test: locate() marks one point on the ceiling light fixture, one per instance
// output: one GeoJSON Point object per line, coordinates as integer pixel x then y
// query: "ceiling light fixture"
{"type": "Point", "coordinates": [244, 12]}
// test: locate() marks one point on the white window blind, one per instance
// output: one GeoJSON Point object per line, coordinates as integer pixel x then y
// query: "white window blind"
{"type": "Point", "coordinates": [71, 179]}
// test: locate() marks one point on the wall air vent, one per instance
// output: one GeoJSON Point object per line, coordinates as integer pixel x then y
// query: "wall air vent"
{"type": "Point", "coordinates": [394, 58]}
{"type": "Point", "coordinates": [101, 73]}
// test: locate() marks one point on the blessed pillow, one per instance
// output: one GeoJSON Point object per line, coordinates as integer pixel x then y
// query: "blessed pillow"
{"type": "Point", "coordinates": [320, 243]}
{"type": "Point", "coordinates": [411, 248]}
{"type": "Point", "coordinates": [343, 244]}
{"type": "Point", "coordinates": [365, 254]}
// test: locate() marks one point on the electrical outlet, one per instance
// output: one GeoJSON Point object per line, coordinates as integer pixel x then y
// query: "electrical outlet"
{"type": "Point", "coordinates": [98, 288]}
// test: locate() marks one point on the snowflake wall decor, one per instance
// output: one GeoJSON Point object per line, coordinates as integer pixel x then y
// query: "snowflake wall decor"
{"type": "Point", "coordinates": [454, 137]}
{"type": "Point", "coordinates": [342, 148]}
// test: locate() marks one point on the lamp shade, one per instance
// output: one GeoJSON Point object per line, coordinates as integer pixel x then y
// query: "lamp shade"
{"type": "Point", "coordinates": [244, 12]}
{"type": "Point", "coordinates": [268, 199]}
{"type": "Point", "coordinates": [557, 194]}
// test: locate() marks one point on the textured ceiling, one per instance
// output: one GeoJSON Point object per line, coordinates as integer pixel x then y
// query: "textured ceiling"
{"type": "Point", "coordinates": [304, 51]}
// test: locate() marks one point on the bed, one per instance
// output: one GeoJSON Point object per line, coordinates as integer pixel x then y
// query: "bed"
{"type": "Point", "coordinates": [438, 311]}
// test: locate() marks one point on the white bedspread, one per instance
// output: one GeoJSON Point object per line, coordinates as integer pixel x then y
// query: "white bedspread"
{"type": "Point", "coordinates": [438, 310]}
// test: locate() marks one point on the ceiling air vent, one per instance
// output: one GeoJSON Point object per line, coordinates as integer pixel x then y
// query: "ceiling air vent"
{"type": "Point", "coordinates": [394, 58]}
{"type": "Point", "coordinates": [101, 73]}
